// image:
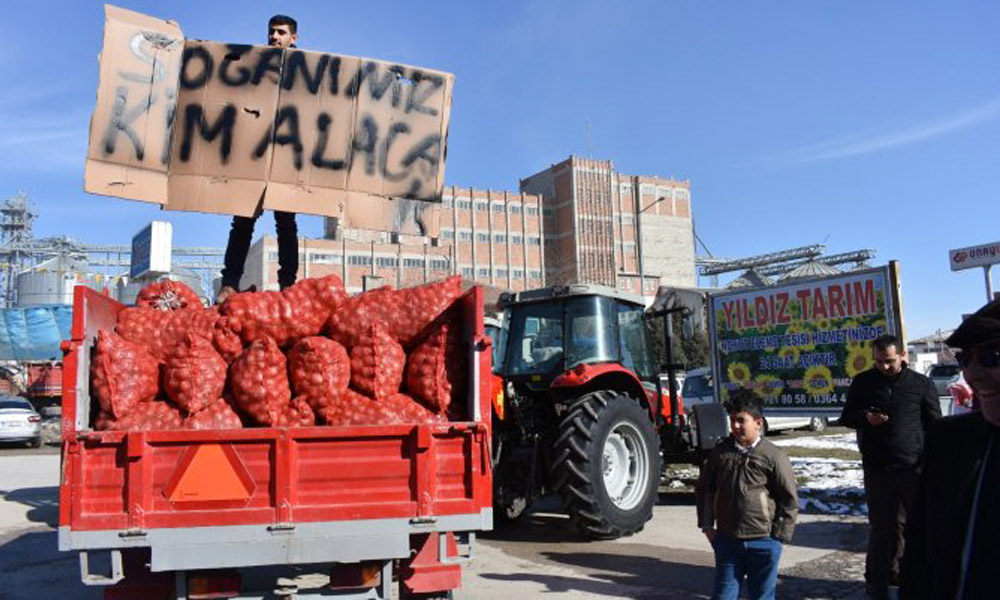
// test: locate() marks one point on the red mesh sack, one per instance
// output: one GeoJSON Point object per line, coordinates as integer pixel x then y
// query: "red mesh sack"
{"type": "Point", "coordinates": [377, 363]}
{"type": "Point", "coordinates": [406, 312]}
{"type": "Point", "coordinates": [179, 323]}
{"type": "Point", "coordinates": [301, 310]}
{"type": "Point", "coordinates": [353, 408]}
{"type": "Point", "coordinates": [296, 413]}
{"type": "Point", "coordinates": [219, 414]}
{"type": "Point", "coordinates": [259, 381]}
{"type": "Point", "coordinates": [434, 368]}
{"type": "Point", "coordinates": [144, 416]}
{"type": "Point", "coordinates": [167, 295]}
{"type": "Point", "coordinates": [194, 374]}
{"type": "Point", "coordinates": [320, 370]}
{"type": "Point", "coordinates": [123, 373]}
{"type": "Point", "coordinates": [226, 339]}
{"type": "Point", "coordinates": [143, 326]}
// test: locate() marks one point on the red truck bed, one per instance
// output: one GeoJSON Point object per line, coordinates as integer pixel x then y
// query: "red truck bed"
{"type": "Point", "coordinates": [266, 496]}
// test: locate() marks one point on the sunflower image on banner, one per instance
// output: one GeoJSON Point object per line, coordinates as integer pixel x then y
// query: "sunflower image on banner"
{"type": "Point", "coordinates": [800, 344]}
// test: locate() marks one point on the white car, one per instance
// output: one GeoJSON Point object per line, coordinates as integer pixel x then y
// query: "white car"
{"type": "Point", "coordinates": [19, 422]}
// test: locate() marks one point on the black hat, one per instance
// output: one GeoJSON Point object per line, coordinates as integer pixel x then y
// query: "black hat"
{"type": "Point", "coordinates": [981, 328]}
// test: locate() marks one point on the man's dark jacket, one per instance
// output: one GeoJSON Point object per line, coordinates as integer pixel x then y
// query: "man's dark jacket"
{"type": "Point", "coordinates": [936, 531]}
{"type": "Point", "coordinates": [911, 401]}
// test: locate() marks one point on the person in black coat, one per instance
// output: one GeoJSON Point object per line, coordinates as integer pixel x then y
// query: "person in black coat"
{"type": "Point", "coordinates": [891, 407]}
{"type": "Point", "coordinates": [953, 533]}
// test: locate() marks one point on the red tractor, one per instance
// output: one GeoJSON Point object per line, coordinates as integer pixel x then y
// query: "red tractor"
{"type": "Point", "coordinates": [579, 408]}
{"type": "Point", "coordinates": [581, 411]}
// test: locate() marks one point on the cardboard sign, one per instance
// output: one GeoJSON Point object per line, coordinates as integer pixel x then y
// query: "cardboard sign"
{"type": "Point", "coordinates": [232, 128]}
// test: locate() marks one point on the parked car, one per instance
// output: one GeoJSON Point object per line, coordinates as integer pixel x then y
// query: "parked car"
{"type": "Point", "coordinates": [19, 422]}
{"type": "Point", "coordinates": [698, 389]}
{"type": "Point", "coordinates": [943, 375]}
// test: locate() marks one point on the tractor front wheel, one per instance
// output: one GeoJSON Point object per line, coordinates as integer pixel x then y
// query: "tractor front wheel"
{"type": "Point", "coordinates": [607, 465]}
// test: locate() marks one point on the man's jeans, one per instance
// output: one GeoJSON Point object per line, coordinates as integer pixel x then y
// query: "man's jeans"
{"type": "Point", "coordinates": [240, 234]}
{"type": "Point", "coordinates": [756, 560]}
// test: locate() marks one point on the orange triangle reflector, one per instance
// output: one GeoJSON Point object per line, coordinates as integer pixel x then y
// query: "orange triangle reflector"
{"type": "Point", "coordinates": [210, 473]}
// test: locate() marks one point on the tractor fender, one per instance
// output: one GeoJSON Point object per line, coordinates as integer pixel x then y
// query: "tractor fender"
{"type": "Point", "coordinates": [586, 378]}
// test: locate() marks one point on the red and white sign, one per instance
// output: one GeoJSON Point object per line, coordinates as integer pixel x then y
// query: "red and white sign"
{"type": "Point", "coordinates": [974, 256]}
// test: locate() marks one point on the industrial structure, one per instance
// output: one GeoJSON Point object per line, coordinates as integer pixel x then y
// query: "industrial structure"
{"type": "Point", "coordinates": [784, 265]}
{"type": "Point", "coordinates": [44, 270]}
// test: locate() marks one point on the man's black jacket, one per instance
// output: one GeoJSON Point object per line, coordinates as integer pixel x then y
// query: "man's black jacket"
{"type": "Point", "coordinates": [936, 531]}
{"type": "Point", "coordinates": [911, 401]}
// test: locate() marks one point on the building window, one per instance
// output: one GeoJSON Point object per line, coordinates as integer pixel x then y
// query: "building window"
{"type": "Point", "coordinates": [501, 273]}
{"type": "Point", "coordinates": [386, 261]}
{"type": "Point", "coordinates": [536, 274]}
{"type": "Point", "coordinates": [498, 208]}
{"type": "Point", "coordinates": [359, 260]}
{"type": "Point", "coordinates": [481, 207]}
{"type": "Point", "coordinates": [272, 256]}
{"type": "Point", "coordinates": [439, 264]}
{"type": "Point", "coordinates": [518, 273]}
{"type": "Point", "coordinates": [465, 236]}
{"type": "Point", "coordinates": [650, 285]}
{"type": "Point", "coordinates": [499, 238]}
{"type": "Point", "coordinates": [483, 272]}
{"type": "Point", "coordinates": [465, 204]}
{"type": "Point", "coordinates": [515, 209]}
{"type": "Point", "coordinates": [516, 239]}
{"type": "Point", "coordinates": [413, 263]}
{"type": "Point", "coordinates": [483, 238]}
{"type": "Point", "coordinates": [534, 240]}
{"type": "Point", "coordinates": [628, 219]}
{"type": "Point", "coordinates": [531, 211]}
{"type": "Point", "coordinates": [467, 272]}
{"type": "Point", "coordinates": [548, 212]}
{"type": "Point", "coordinates": [447, 234]}
{"type": "Point", "coordinates": [446, 202]}
{"type": "Point", "coordinates": [621, 284]}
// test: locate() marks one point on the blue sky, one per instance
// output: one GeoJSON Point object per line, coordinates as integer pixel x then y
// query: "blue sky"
{"type": "Point", "coordinates": [855, 123]}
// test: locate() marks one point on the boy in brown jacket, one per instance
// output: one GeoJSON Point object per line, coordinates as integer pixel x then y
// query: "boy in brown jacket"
{"type": "Point", "coordinates": [747, 503]}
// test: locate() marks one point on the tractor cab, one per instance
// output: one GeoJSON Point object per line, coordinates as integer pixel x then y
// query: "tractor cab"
{"type": "Point", "coordinates": [567, 331]}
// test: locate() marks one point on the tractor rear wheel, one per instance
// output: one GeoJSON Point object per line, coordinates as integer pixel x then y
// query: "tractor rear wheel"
{"type": "Point", "coordinates": [607, 465]}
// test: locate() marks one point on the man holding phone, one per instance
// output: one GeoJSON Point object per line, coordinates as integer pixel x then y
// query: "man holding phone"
{"type": "Point", "coordinates": [891, 407]}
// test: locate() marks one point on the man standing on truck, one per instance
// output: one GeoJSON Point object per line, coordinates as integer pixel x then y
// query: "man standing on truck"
{"type": "Point", "coordinates": [891, 407]}
{"type": "Point", "coordinates": [282, 32]}
{"type": "Point", "coordinates": [747, 503]}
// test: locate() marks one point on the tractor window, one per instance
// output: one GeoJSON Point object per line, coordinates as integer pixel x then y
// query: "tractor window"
{"type": "Point", "coordinates": [537, 331]}
{"type": "Point", "coordinates": [632, 333]}
{"type": "Point", "coordinates": [591, 331]}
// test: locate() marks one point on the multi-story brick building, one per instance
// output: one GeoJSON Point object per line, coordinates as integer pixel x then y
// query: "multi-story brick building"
{"type": "Point", "coordinates": [602, 226]}
{"type": "Point", "coordinates": [578, 221]}
{"type": "Point", "coordinates": [491, 237]}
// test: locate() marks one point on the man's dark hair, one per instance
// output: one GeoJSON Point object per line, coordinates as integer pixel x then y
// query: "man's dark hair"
{"type": "Point", "coordinates": [293, 25]}
{"type": "Point", "coordinates": [882, 342]}
{"type": "Point", "coordinates": [744, 400]}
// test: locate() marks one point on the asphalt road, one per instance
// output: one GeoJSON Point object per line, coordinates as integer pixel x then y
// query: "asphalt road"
{"type": "Point", "coordinates": [540, 556]}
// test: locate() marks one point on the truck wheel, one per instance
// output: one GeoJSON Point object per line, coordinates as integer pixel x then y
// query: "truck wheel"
{"type": "Point", "coordinates": [405, 595]}
{"type": "Point", "coordinates": [607, 465]}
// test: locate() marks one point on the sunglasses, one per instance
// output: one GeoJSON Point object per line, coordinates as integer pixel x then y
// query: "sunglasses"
{"type": "Point", "coordinates": [988, 357]}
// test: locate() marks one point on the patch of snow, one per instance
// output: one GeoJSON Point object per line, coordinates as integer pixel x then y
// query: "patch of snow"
{"type": "Point", "coordinates": [840, 441]}
{"type": "Point", "coordinates": [831, 485]}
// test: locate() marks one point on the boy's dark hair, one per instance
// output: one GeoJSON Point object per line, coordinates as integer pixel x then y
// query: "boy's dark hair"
{"type": "Point", "coordinates": [293, 25]}
{"type": "Point", "coordinates": [744, 400]}
{"type": "Point", "coordinates": [882, 342]}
